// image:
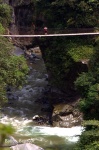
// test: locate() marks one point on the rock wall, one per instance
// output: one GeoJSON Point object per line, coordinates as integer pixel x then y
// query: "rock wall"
{"type": "Point", "coordinates": [23, 16]}
{"type": "Point", "coordinates": [15, 3]}
{"type": "Point", "coordinates": [6, 1]}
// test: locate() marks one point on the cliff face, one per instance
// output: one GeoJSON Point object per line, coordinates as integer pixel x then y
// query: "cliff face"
{"type": "Point", "coordinates": [23, 17]}
{"type": "Point", "coordinates": [28, 18]}
{"type": "Point", "coordinates": [24, 12]}
{"type": "Point", "coordinates": [15, 3]}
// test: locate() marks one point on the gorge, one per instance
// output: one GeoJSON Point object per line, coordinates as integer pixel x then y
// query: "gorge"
{"type": "Point", "coordinates": [22, 23]}
{"type": "Point", "coordinates": [45, 108]}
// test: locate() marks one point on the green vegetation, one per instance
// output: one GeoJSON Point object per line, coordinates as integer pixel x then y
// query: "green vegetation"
{"type": "Point", "coordinates": [63, 57]}
{"type": "Point", "coordinates": [13, 69]}
{"type": "Point", "coordinates": [68, 14]}
{"type": "Point", "coordinates": [80, 52]}
{"type": "Point", "coordinates": [57, 59]}
{"type": "Point", "coordinates": [5, 131]}
{"type": "Point", "coordinates": [89, 140]}
{"type": "Point", "coordinates": [88, 85]}
{"type": "Point", "coordinates": [5, 14]}
{"type": "Point", "coordinates": [62, 54]}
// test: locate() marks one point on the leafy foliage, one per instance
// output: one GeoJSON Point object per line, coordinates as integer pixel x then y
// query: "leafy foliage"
{"type": "Point", "coordinates": [5, 14]}
{"type": "Point", "coordinates": [57, 59]}
{"type": "Point", "coordinates": [63, 56]}
{"type": "Point", "coordinates": [12, 68]}
{"type": "Point", "coordinates": [2, 30]}
{"type": "Point", "coordinates": [88, 85]}
{"type": "Point", "coordinates": [67, 13]}
{"type": "Point", "coordinates": [80, 49]}
{"type": "Point", "coordinates": [5, 131]}
{"type": "Point", "coordinates": [80, 52]}
{"type": "Point", "coordinates": [84, 82]}
{"type": "Point", "coordinates": [90, 136]}
{"type": "Point", "coordinates": [89, 105]}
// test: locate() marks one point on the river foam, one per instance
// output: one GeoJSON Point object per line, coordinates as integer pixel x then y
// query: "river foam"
{"type": "Point", "coordinates": [24, 127]}
{"type": "Point", "coordinates": [72, 134]}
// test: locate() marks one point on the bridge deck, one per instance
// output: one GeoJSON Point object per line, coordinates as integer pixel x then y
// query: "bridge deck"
{"type": "Point", "coordinates": [52, 35]}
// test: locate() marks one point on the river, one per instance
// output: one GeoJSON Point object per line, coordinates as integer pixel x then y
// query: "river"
{"type": "Point", "coordinates": [20, 113]}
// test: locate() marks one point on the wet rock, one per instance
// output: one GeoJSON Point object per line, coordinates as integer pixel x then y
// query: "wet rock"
{"type": "Point", "coordinates": [26, 146]}
{"type": "Point", "coordinates": [67, 109]}
{"type": "Point", "coordinates": [63, 109]}
{"type": "Point", "coordinates": [18, 51]}
{"type": "Point", "coordinates": [76, 113]}
{"type": "Point", "coordinates": [28, 87]}
{"type": "Point", "coordinates": [36, 117]}
{"type": "Point", "coordinates": [30, 90]}
{"type": "Point", "coordinates": [56, 118]}
{"type": "Point", "coordinates": [12, 96]}
{"type": "Point", "coordinates": [30, 68]}
{"type": "Point", "coordinates": [39, 119]}
{"type": "Point", "coordinates": [69, 121]}
{"type": "Point", "coordinates": [65, 124]}
{"type": "Point", "coordinates": [13, 140]}
{"type": "Point", "coordinates": [46, 77]}
{"type": "Point", "coordinates": [65, 115]}
{"type": "Point", "coordinates": [36, 50]}
{"type": "Point", "coordinates": [32, 57]}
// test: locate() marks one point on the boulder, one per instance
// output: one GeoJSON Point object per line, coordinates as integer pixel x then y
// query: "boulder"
{"type": "Point", "coordinates": [76, 112]}
{"type": "Point", "coordinates": [39, 119]}
{"type": "Point", "coordinates": [26, 146]}
{"type": "Point", "coordinates": [67, 109]}
{"type": "Point", "coordinates": [36, 117]}
{"type": "Point", "coordinates": [63, 109]}
{"type": "Point", "coordinates": [66, 115]}
{"type": "Point", "coordinates": [69, 121]}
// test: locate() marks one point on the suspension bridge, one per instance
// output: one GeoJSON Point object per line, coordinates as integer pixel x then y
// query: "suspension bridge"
{"type": "Point", "coordinates": [51, 35]}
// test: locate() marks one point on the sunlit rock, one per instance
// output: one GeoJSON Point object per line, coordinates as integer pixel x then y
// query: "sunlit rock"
{"type": "Point", "coordinates": [26, 146]}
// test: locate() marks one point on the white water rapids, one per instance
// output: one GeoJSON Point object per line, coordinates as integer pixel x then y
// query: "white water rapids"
{"type": "Point", "coordinates": [20, 114]}
{"type": "Point", "coordinates": [46, 137]}
{"type": "Point", "coordinates": [24, 127]}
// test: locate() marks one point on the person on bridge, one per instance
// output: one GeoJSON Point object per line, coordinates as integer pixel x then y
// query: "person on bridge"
{"type": "Point", "coordinates": [45, 30]}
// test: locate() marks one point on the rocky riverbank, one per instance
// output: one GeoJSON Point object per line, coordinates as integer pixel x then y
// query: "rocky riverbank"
{"type": "Point", "coordinates": [62, 109]}
{"type": "Point", "coordinates": [57, 108]}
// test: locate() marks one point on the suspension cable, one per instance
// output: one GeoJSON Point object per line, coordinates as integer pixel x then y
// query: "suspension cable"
{"type": "Point", "coordinates": [52, 35]}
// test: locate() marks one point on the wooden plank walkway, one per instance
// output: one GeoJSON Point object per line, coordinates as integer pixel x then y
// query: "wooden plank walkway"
{"type": "Point", "coordinates": [52, 35]}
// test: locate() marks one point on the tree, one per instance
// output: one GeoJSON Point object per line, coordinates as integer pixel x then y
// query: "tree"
{"type": "Point", "coordinates": [68, 14]}
{"type": "Point", "coordinates": [88, 85]}
{"type": "Point", "coordinates": [5, 132]}
{"type": "Point", "coordinates": [5, 14]}
{"type": "Point", "coordinates": [89, 139]}
{"type": "Point", "coordinates": [13, 69]}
